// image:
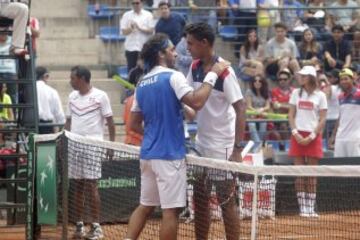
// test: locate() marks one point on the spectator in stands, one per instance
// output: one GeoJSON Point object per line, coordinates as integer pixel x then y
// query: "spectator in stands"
{"type": "Point", "coordinates": [316, 19]}
{"type": "Point", "coordinates": [266, 17]}
{"type": "Point", "coordinates": [310, 51]}
{"type": "Point", "coordinates": [88, 110]}
{"type": "Point", "coordinates": [206, 16]}
{"type": "Point", "coordinates": [49, 104]}
{"type": "Point", "coordinates": [292, 17]}
{"type": "Point", "coordinates": [8, 66]}
{"type": "Point", "coordinates": [347, 130]}
{"type": "Point", "coordinates": [280, 97]}
{"type": "Point", "coordinates": [344, 13]}
{"type": "Point", "coordinates": [183, 59]}
{"type": "Point", "coordinates": [221, 126]}
{"type": "Point", "coordinates": [136, 73]}
{"type": "Point", "coordinates": [355, 51]}
{"type": "Point", "coordinates": [258, 104]}
{"type": "Point", "coordinates": [251, 57]}
{"type": "Point", "coordinates": [137, 25]}
{"type": "Point", "coordinates": [35, 33]}
{"type": "Point", "coordinates": [307, 116]}
{"type": "Point", "coordinates": [337, 51]}
{"type": "Point", "coordinates": [6, 113]}
{"type": "Point", "coordinates": [170, 23]}
{"type": "Point", "coordinates": [280, 52]}
{"type": "Point", "coordinates": [245, 19]}
{"type": "Point", "coordinates": [20, 13]}
{"type": "Point", "coordinates": [158, 105]}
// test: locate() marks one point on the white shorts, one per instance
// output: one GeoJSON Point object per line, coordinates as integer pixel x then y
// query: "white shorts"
{"type": "Point", "coordinates": [163, 183]}
{"type": "Point", "coordinates": [345, 148]}
{"type": "Point", "coordinates": [85, 163]}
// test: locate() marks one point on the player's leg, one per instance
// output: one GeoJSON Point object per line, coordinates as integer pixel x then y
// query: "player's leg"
{"type": "Point", "coordinates": [202, 189]}
{"type": "Point", "coordinates": [300, 189]}
{"type": "Point", "coordinates": [311, 189]}
{"type": "Point", "coordinates": [149, 198]}
{"type": "Point", "coordinates": [169, 224]}
{"type": "Point", "coordinates": [79, 200]}
{"type": "Point", "coordinates": [225, 191]}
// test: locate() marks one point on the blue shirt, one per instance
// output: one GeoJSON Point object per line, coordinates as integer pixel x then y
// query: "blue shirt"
{"type": "Point", "coordinates": [172, 26]}
{"type": "Point", "coordinates": [163, 117]}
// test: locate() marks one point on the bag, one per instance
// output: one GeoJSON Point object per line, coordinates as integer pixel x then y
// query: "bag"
{"type": "Point", "coordinates": [263, 18]}
{"type": "Point", "coordinates": [266, 198]}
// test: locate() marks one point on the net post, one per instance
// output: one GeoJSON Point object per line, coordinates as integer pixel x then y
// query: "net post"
{"type": "Point", "coordinates": [65, 185]}
{"type": "Point", "coordinates": [254, 208]}
{"type": "Point", "coordinates": [30, 188]}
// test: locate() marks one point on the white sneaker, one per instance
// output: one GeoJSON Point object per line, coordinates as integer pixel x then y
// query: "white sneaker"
{"type": "Point", "coordinates": [79, 231]}
{"type": "Point", "coordinates": [95, 232]}
{"type": "Point", "coordinates": [313, 214]}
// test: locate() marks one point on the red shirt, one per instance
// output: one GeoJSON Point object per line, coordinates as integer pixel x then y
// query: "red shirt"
{"type": "Point", "coordinates": [281, 96]}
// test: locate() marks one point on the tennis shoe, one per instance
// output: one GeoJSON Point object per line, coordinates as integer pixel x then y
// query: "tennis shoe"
{"type": "Point", "coordinates": [95, 232]}
{"type": "Point", "coordinates": [79, 231]}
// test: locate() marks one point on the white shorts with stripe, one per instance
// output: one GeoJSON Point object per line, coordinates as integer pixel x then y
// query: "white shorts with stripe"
{"type": "Point", "coordinates": [163, 183]}
{"type": "Point", "coordinates": [346, 148]}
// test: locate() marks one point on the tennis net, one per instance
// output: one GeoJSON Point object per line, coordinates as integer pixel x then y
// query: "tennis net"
{"type": "Point", "coordinates": [269, 202]}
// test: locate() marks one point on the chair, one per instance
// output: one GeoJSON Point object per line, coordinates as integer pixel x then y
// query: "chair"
{"type": "Point", "coordinates": [111, 34]}
{"type": "Point", "coordinates": [101, 12]}
{"type": "Point", "coordinates": [228, 33]}
{"type": "Point", "coordinates": [123, 72]}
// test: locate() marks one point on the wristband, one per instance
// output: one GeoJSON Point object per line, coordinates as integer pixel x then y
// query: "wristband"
{"type": "Point", "coordinates": [312, 135]}
{"type": "Point", "coordinates": [211, 78]}
{"type": "Point", "coordinates": [294, 132]}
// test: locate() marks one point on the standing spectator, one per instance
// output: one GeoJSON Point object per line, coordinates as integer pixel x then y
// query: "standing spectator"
{"type": "Point", "coordinates": [251, 57]}
{"type": "Point", "coordinates": [280, 52]}
{"type": "Point", "coordinates": [221, 126]}
{"type": "Point", "coordinates": [310, 51]}
{"type": "Point", "coordinates": [88, 109]}
{"type": "Point", "coordinates": [157, 114]}
{"type": "Point", "coordinates": [20, 13]}
{"type": "Point", "coordinates": [170, 23]}
{"type": "Point", "coordinates": [205, 16]}
{"type": "Point", "coordinates": [307, 116]}
{"type": "Point", "coordinates": [8, 66]}
{"type": "Point", "coordinates": [337, 51]}
{"type": "Point", "coordinates": [245, 19]}
{"type": "Point", "coordinates": [347, 130]}
{"type": "Point", "coordinates": [183, 59]}
{"type": "Point", "coordinates": [137, 26]}
{"type": "Point", "coordinates": [258, 101]}
{"type": "Point", "coordinates": [49, 104]}
{"type": "Point", "coordinates": [344, 13]}
{"type": "Point", "coordinates": [35, 33]}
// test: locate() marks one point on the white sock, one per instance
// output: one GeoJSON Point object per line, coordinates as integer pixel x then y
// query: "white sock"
{"type": "Point", "coordinates": [311, 201]}
{"type": "Point", "coordinates": [301, 201]}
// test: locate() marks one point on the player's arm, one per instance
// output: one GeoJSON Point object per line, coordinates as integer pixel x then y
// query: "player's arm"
{"type": "Point", "coordinates": [136, 122]}
{"type": "Point", "coordinates": [111, 128]}
{"type": "Point", "coordinates": [197, 99]}
{"type": "Point", "coordinates": [331, 141]}
{"type": "Point", "coordinates": [67, 124]}
{"type": "Point", "coordinates": [240, 121]}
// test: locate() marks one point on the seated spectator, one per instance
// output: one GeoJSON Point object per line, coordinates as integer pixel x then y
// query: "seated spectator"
{"type": "Point", "coordinates": [355, 51]}
{"type": "Point", "coordinates": [266, 17]}
{"type": "Point", "coordinates": [280, 52]}
{"type": "Point", "coordinates": [292, 17]}
{"type": "Point", "coordinates": [6, 114]}
{"type": "Point", "coordinates": [20, 13]}
{"type": "Point", "coordinates": [170, 23]}
{"type": "Point", "coordinates": [251, 57]}
{"type": "Point", "coordinates": [310, 51]}
{"type": "Point", "coordinates": [316, 19]}
{"type": "Point", "coordinates": [337, 51]}
{"type": "Point", "coordinates": [258, 104]}
{"type": "Point", "coordinates": [344, 13]}
{"type": "Point", "coordinates": [183, 59]}
{"type": "Point", "coordinates": [8, 66]}
{"type": "Point", "coordinates": [280, 97]}
{"type": "Point", "coordinates": [205, 16]}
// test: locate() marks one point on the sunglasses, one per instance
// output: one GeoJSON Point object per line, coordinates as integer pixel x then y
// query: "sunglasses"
{"type": "Point", "coordinates": [135, 3]}
{"type": "Point", "coordinates": [283, 79]}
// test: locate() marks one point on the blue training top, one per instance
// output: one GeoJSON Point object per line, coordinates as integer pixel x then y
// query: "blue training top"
{"type": "Point", "coordinates": [163, 118]}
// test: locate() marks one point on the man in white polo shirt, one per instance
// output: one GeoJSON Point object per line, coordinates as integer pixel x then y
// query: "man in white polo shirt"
{"type": "Point", "coordinates": [221, 127]}
{"type": "Point", "coordinates": [88, 110]}
{"type": "Point", "coordinates": [347, 129]}
{"type": "Point", "coordinates": [137, 25]}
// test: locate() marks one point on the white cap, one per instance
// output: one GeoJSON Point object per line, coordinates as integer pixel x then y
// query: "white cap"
{"type": "Point", "coordinates": [308, 70]}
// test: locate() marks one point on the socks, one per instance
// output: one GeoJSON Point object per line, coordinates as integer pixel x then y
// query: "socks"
{"type": "Point", "coordinates": [301, 201]}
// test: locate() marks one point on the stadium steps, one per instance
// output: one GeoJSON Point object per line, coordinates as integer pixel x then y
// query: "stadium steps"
{"type": "Point", "coordinates": [66, 27]}
{"type": "Point", "coordinates": [56, 8]}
